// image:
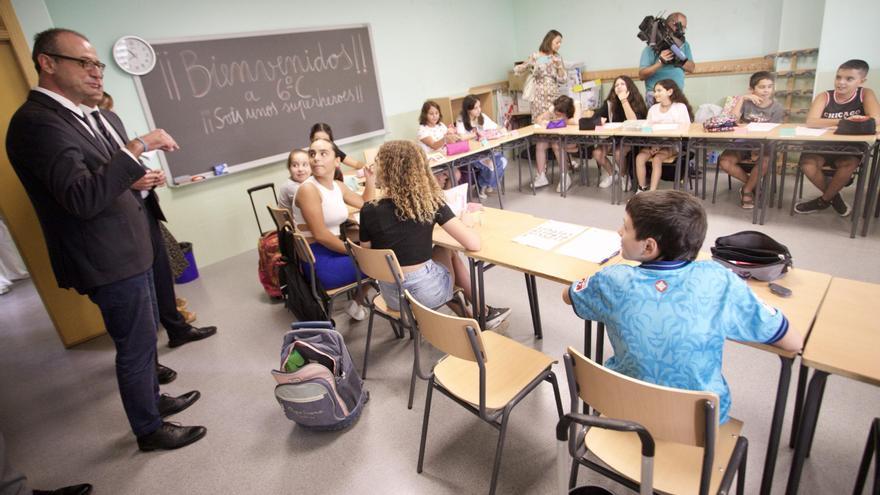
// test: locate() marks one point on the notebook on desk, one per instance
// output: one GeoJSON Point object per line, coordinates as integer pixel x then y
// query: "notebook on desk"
{"type": "Point", "coordinates": [593, 245]}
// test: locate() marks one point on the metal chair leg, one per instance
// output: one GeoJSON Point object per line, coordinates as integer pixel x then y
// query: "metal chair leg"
{"type": "Point", "coordinates": [367, 347]}
{"type": "Point", "coordinates": [412, 386]}
{"type": "Point", "coordinates": [502, 433]}
{"type": "Point", "coordinates": [872, 448]}
{"type": "Point", "coordinates": [425, 424]}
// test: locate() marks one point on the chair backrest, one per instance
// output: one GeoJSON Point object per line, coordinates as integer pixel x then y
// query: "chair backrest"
{"type": "Point", "coordinates": [374, 263]}
{"type": "Point", "coordinates": [303, 250]}
{"type": "Point", "coordinates": [370, 155]}
{"type": "Point", "coordinates": [280, 216]}
{"type": "Point", "coordinates": [447, 333]}
{"type": "Point", "coordinates": [668, 413]}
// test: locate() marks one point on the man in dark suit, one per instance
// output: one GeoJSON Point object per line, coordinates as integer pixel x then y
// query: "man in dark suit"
{"type": "Point", "coordinates": [96, 231]}
{"type": "Point", "coordinates": [179, 331]}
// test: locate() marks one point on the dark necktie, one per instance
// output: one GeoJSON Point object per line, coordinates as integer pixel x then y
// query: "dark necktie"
{"type": "Point", "coordinates": [105, 133]}
{"type": "Point", "coordinates": [101, 140]}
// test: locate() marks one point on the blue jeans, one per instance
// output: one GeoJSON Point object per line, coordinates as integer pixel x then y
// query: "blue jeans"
{"type": "Point", "coordinates": [430, 285]}
{"type": "Point", "coordinates": [131, 317]}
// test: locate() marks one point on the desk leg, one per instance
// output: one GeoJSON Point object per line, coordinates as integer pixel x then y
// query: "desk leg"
{"type": "Point", "coordinates": [481, 270]}
{"type": "Point", "coordinates": [806, 430]}
{"type": "Point", "coordinates": [531, 172]}
{"type": "Point", "coordinates": [776, 424]}
{"type": "Point", "coordinates": [803, 376]}
{"type": "Point", "coordinates": [781, 175]}
{"type": "Point", "coordinates": [763, 183]}
{"type": "Point", "coordinates": [536, 321]}
{"type": "Point", "coordinates": [871, 201]}
{"type": "Point", "coordinates": [564, 176]}
{"type": "Point", "coordinates": [588, 339]}
{"type": "Point", "coordinates": [704, 166]}
{"type": "Point", "coordinates": [531, 295]}
{"type": "Point", "coordinates": [616, 193]}
{"type": "Point", "coordinates": [860, 189]}
{"type": "Point", "coordinates": [476, 297]}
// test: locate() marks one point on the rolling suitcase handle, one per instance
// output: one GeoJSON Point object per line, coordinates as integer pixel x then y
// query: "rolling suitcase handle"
{"type": "Point", "coordinates": [251, 192]}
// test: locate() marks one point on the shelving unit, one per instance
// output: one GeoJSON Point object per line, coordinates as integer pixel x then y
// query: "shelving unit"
{"type": "Point", "coordinates": [798, 70]}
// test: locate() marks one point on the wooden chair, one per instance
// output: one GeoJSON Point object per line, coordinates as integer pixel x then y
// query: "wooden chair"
{"type": "Point", "coordinates": [280, 216]}
{"type": "Point", "coordinates": [304, 254]}
{"type": "Point", "coordinates": [486, 373]}
{"type": "Point", "coordinates": [690, 452]}
{"type": "Point", "coordinates": [378, 264]}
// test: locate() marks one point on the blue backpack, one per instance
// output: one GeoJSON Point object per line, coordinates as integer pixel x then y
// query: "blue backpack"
{"type": "Point", "coordinates": [318, 386]}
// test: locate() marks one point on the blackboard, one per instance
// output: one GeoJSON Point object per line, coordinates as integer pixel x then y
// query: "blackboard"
{"type": "Point", "coordinates": [246, 100]}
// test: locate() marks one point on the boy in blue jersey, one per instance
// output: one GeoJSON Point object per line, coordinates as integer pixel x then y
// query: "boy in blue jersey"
{"type": "Point", "coordinates": [667, 318]}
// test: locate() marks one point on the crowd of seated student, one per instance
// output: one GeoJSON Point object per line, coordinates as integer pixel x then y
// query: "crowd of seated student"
{"type": "Point", "coordinates": [848, 100]}
{"type": "Point", "coordinates": [624, 102]}
{"type": "Point", "coordinates": [672, 107]}
{"type": "Point", "coordinates": [403, 220]}
{"type": "Point", "coordinates": [757, 105]}
{"type": "Point", "coordinates": [667, 318]}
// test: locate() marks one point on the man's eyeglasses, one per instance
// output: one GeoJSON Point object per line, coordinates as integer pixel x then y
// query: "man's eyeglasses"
{"type": "Point", "coordinates": [83, 62]}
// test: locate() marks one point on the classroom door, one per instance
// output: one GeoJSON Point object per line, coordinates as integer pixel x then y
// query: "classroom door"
{"type": "Point", "coordinates": [75, 318]}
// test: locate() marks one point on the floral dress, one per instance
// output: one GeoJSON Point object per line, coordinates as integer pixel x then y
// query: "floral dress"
{"type": "Point", "coordinates": [549, 73]}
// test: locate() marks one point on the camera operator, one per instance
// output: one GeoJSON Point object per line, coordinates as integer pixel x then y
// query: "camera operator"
{"type": "Point", "coordinates": [654, 67]}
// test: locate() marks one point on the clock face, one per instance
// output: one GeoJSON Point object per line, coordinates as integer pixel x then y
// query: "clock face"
{"type": "Point", "coordinates": [134, 55]}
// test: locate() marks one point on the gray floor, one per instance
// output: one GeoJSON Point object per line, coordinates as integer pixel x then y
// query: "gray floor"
{"type": "Point", "coordinates": [64, 423]}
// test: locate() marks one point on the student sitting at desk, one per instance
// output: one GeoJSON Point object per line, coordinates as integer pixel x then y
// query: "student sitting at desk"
{"type": "Point", "coordinates": [672, 107]}
{"type": "Point", "coordinates": [667, 318]}
{"type": "Point", "coordinates": [323, 131]}
{"type": "Point", "coordinates": [474, 124]}
{"type": "Point", "coordinates": [300, 170]}
{"type": "Point", "coordinates": [624, 102]}
{"type": "Point", "coordinates": [563, 108]}
{"type": "Point", "coordinates": [433, 136]}
{"type": "Point", "coordinates": [320, 210]}
{"type": "Point", "coordinates": [848, 100]}
{"type": "Point", "coordinates": [403, 221]}
{"type": "Point", "coordinates": [756, 106]}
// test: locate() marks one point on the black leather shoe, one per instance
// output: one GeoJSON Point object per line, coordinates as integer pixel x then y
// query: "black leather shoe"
{"type": "Point", "coordinates": [83, 489]}
{"type": "Point", "coordinates": [192, 334]}
{"type": "Point", "coordinates": [170, 436]}
{"type": "Point", "coordinates": [165, 374]}
{"type": "Point", "coordinates": [169, 405]}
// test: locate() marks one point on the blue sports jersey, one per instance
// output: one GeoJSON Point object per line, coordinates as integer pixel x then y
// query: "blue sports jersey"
{"type": "Point", "coordinates": [668, 71]}
{"type": "Point", "coordinates": [667, 321]}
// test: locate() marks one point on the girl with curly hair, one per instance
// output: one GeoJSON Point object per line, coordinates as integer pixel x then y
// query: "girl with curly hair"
{"type": "Point", "coordinates": [403, 221]}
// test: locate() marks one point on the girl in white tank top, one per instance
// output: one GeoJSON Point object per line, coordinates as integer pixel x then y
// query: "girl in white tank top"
{"type": "Point", "coordinates": [332, 203]}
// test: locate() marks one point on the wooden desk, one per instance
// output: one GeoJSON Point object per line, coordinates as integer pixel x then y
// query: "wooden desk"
{"type": "Point", "coordinates": [497, 229]}
{"type": "Point", "coordinates": [844, 341]}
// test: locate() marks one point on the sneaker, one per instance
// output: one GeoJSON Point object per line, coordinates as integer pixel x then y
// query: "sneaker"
{"type": "Point", "coordinates": [641, 189]}
{"type": "Point", "coordinates": [356, 311]}
{"type": "Point", "coordinates": [575, 163]}
{"type": "Point", "coordinates": [495, 316]}
{"type": "Point", "coordinates": [565, 178]}
{"type": "Point", "coordinates": [606, 181]}
{"type": "Point", "coordinates": [811, 206]}
{"type": "Point", "coordinates": [840, 206]}
{"type": "Point", "coordinates": [624, 183]}
{"type": "Point", "coordinates": [541, 181]}
{"type": "Point", "coordinates": [481, 192]}
{"type": "Point", "coordinates": [488, 189]}
{"type": "Point", "coordinates": [746, 200]}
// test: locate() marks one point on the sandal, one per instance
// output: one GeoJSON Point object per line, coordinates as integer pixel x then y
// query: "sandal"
{"type": "Point", "coordinates": [746, 199]}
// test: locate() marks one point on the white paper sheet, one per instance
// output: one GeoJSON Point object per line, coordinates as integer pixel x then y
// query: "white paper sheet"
{"type": "Point", "coordinates": [456, 198]}
{"type": "Point", "coordinates": [549, 234]}
{"type": "Point", "coordinates": [761, 126]}
{"type": "Point", "coordinates": [612, 125]}
{"type": "Point", "coordinates": [808, 131]}
{"type": "Point", "coordinates": [594, 245]}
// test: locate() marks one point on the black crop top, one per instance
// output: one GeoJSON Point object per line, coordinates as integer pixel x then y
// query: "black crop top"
{"type": "Point", "coordinates": [410, 240]}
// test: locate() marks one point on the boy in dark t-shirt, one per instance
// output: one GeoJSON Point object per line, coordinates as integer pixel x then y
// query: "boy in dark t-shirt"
{"type": "Point", "coordinates": [848, 100]}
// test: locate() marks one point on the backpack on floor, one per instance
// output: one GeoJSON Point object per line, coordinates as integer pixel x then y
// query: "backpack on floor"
{"type": "Point", "coordinates": [318, 385]}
